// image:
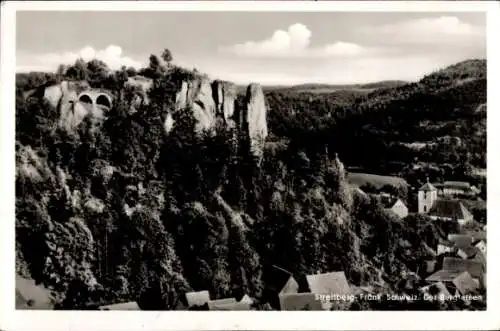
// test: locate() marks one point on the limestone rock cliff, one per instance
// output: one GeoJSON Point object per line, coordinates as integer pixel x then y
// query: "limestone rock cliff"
{"type": "Point", "coordinates": [213, 103]}
{"type": "Point", "coordinates": [224, 94]}
{"type": "Point", "coordinates": [197, 96]}
{"type": "Point", "coordinates": [216, 102]}
{"type": "Point", "coordinates": [74, 101]}
{"type": "Point", "coordinates": [253, 118]}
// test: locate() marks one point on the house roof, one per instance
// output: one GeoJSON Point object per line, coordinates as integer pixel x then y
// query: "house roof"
{"type": "Point", "coordinates": [474, 204]}
{"type": "Point", "coordinates": [449, 208]}
{"type": "Point", "coordinates": [481, 257]}
{"type": "Point", "coordinates": [233, 306]}
{"type": "Point", "coordinates": [291, 286]}
{"type": "Point", "coordinates": [457, 185]}
{"type": "Point", "coordinates": [197, 298]}
{"type": "Point", "coordinates": [477, 235]}
{"type": "Point", "coordinates": [445, 242]}
{"type": "Point", "coordinates": [469, 251]}
{"type": "Point", "coordinates": [276, 277]}
{"type": "Point", "coordinates": [465, 283]}
{"type": "Point", "coordinates": [480, 243]}
{"type": "Point", "coordinates": [299, 301]}
{"type": "Point", "coordinates": [427, 187]}
{"type": "Point", "coordinates": [389, 202]}
{"type": "Point", "coordinates": [460, 240]}
{"type": "Point", "coordinates": [328, 283]}
{"type": "Point", "coordinates": [443, 276]}
{"type": "Point", "coordinates": [132, 305]}
{"type": "Point", "coordinates": [360, 191]}
{"type": "Point", "coordinates": [32, 296]}
{"type": "Point", "coordinates": [474, 267]}
{"type": "Point", "coordinates": [214, 304]}
{"type": "Point", "coordinates": [246, 299]}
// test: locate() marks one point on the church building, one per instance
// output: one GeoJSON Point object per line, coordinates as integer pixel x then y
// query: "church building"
{"type": "Point", "coordinates": [441, 208]}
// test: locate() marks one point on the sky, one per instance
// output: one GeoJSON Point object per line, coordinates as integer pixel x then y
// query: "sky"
{"type": "Point", "coordinates": [270, 48]}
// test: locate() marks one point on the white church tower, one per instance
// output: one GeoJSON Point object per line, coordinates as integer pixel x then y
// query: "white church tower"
{"type": "Point", "coordinates": [427, 195]}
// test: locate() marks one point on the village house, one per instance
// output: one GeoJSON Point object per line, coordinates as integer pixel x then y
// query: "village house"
{"type": "Point", "coordinates": [455, 187]}
{"type": "Point", "coordinates": [328, 283]}
{"type": "Point", "coordinates": [440, 208]}
{"type": "Point", "coordinates": [445, 246]}
{"type": "Point", "coordinates": [395, 205]}
{"type": "Point", "coordinates": [216, 304]}
{"type": "Point", "coordinates": [197, 299]}
{"type": "Point", "coordinates": [469, 245]}
{"type": "Point", "coordinates": [247, 299]}
{"type": "Point", "coordinates": [228, 304]}
{"type": "Point", "coordinates": [459, 284]}
{"type": "Point", "coordinates": [481, 246]}
{"type": "Point", "coordinates": [460, 240]}
{"type": "Point", "coordinates": [32, 296]}
{"type": "Point", "coordinates": [467, 252]}
{"type": "Point", "coordinates": [454, 266]}
{"type": "Point", "coordinates": [303, 294]}
{"type": "Point", "coordinates": [331, 283]}
{"type": "Point", "coordinates": [477, 235]}
{"type": "Point", "coordinates": [280, 282]}
{"type": "Point", "coordinates": [201, 301]}
{"type": "Point", "coordinates": [300, 301]}
{"type": "Point", "coordinates": [464, 283]}
{"type": "Point", "coordinates": [481, 257]}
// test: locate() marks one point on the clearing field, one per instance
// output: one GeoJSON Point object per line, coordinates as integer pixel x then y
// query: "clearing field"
{"type": "Point", "coordinates": [360, 179]}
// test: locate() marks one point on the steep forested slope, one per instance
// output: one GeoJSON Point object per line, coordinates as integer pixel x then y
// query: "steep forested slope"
{"type": "Point", "coordinates": [116, 209]}
{"type": "Point", "coordinates": [437, 120]}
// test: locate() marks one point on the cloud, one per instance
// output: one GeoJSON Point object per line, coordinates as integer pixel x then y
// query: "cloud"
{"type": "Point", "coordinates": [295, 42]}
{"type": "Point", "coordinates": [442, 30]}
{"type": "Point", "coordinates": [112, 55]}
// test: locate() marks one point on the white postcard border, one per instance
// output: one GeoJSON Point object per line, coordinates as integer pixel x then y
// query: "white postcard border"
{"type": "Point", "coordinates": [114, 320]}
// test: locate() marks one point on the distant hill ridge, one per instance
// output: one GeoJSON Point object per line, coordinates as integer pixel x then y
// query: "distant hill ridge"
{"type": "Point", "coordinates": [463, 71]}
{"type": "Point", "coordinates": [328, 88]}
{"type": "Point", "coordinates": [385, 122]}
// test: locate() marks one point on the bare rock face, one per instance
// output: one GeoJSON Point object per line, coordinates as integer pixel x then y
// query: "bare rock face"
{"type": "Point", "coordinates": [211, 102]}
{"type": "Point", "coordinates": [76, 100]}
{"type": "Point", "coordinates": [215, 101]}
{"type": "Point", "coordinates": [197, 96]}
{"type": "Point", "coordinates": [253, 119]}
{"type": "Point", "coordinates": [224, 94]}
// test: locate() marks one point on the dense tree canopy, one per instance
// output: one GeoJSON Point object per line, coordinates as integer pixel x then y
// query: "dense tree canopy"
{"type": "Point", "coordinates": [119, 210]}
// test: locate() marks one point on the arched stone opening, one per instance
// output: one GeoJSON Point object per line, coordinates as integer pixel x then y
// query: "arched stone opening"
{"type": "Point", "coordinates": [103, 100]}
{"type": "Point", "coordinates": [85, 98]}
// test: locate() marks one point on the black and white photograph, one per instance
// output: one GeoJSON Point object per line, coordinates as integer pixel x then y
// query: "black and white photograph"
{"type": "Point", "coordinates": [218, 160]}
